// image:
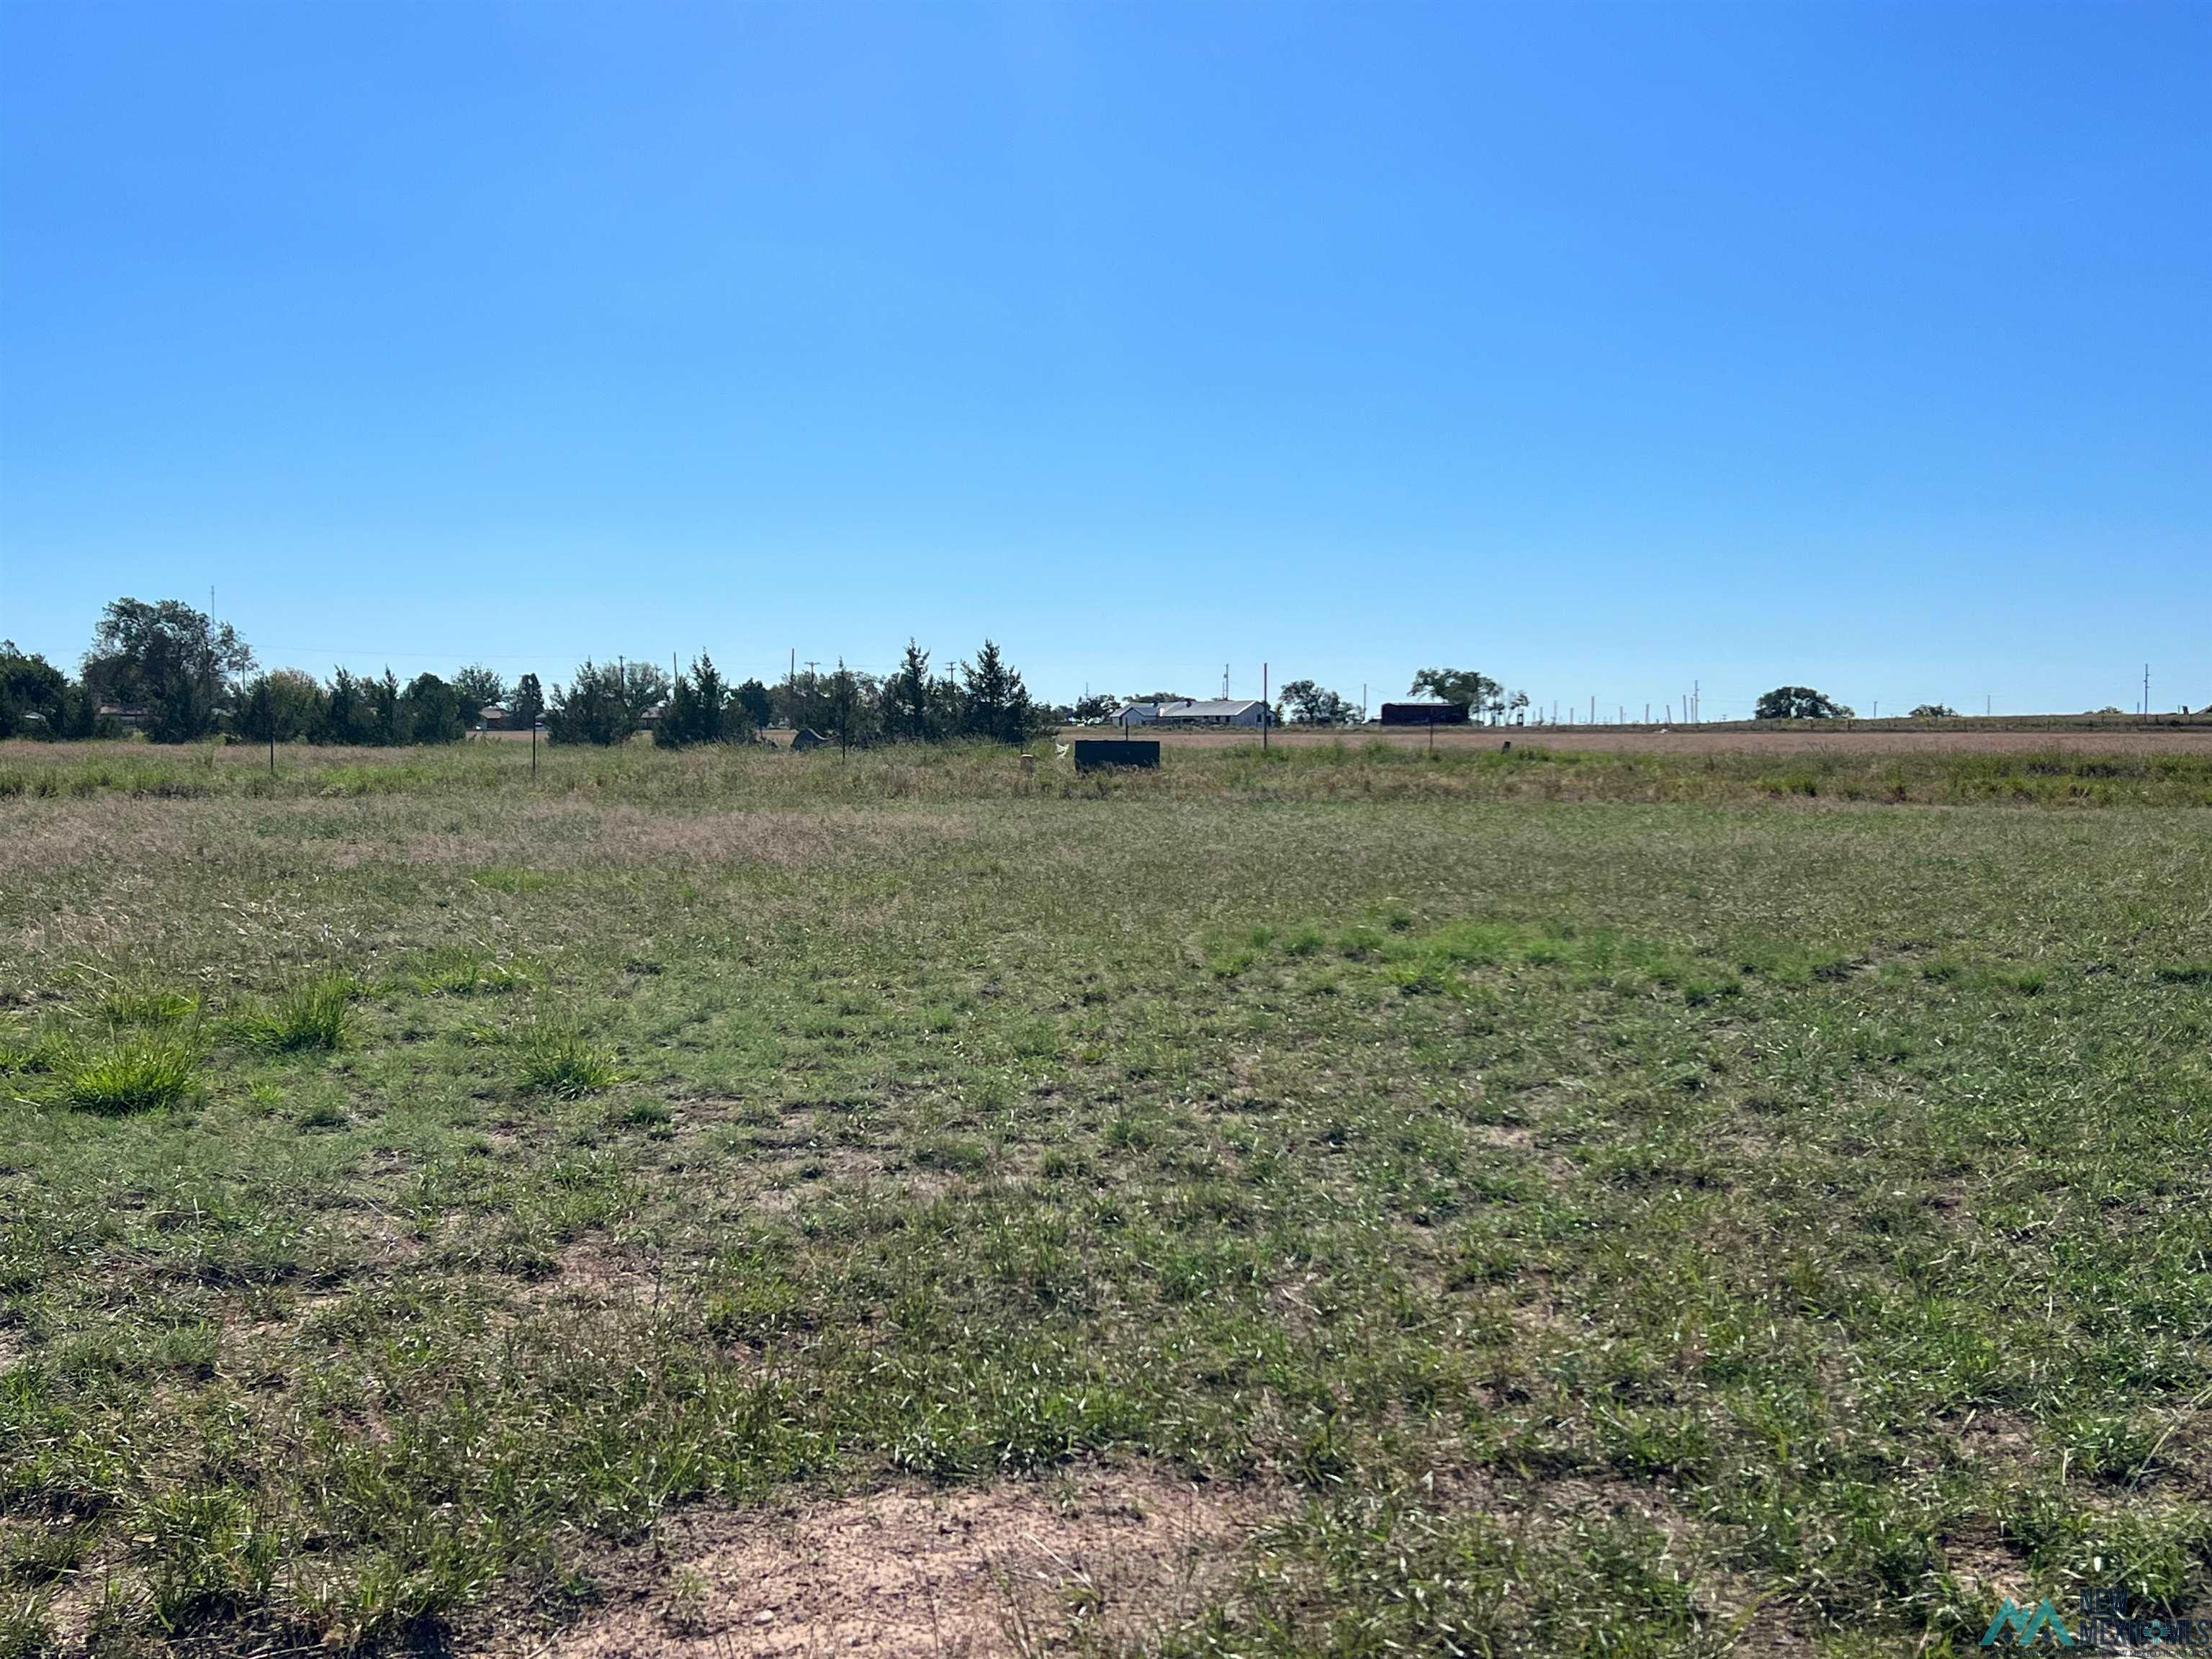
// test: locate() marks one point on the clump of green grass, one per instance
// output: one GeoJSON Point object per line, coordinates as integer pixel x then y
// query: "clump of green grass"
{"type": "Point", "coordinates": [558, 1060]}
{"type": "Point", "coordinates": [507, 879]}
{"type": "Point", "coordinates": [318, 1015]}
{"type": "Point", "coordinates": [31, 1051]}
{"type": "Point", "coordinates": [461, 973]}
{"type": "Point", "coordinates": [139, 1005]}
{"type": "Point", "coordinates": [138, 1071]}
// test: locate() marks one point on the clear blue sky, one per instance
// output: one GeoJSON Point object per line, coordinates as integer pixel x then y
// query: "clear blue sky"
{"type": "Point", "coordinates": [1602, 348]}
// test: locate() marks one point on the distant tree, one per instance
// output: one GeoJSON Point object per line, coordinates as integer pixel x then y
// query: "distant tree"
{"type": "Point", "coordinates": [168, 659]}
{"type": "Point", "coordinates": [1305, 703]}
{"type": "Point", "coordinates": [1095, 710]}
{"type": "Point", "coordinates": [345, 712]}
{"type": "Point", "coordinates": [908, 709]}
{"type": "Point", "coordinates": [285, 704]}
{"type": "Point", "coordinates": [1799, 702]}
{"type": "Point", "coordinates": [593, 708]}
{"type": "Point", "coordinates": [79, 715]}
{"type": "Point", "coordinates": [679, 723]}
{"type": "Point", "coordinates": [1158, 696]}
{"type": "Point", "coordinates": [430, 711]}
{"type": "Point", "coordinates": [478, 686]}
{"type": "Point", "coordinates": [645, 687]}
{"type": "Point", "coordinates": [700, 709]}
{"type": "Point", "coordinates": [387, 716]}
{"type": "Point", "coordinates": [845, 705]}
{"type": "Point", "coordinates": [1933, 711]}
{"type": "Point", "coordinates": [1484, 697]}
{"type": "Point", "coordinates": [527, 703]}
{"type": "Point", "coordinates": [803, 701]}
{"type": "Point", "coordinates": [752, 697]}
{"type": "Point", "coordinates": [995, 702]}
{"type": "Point", "coordinates": [30, 685]}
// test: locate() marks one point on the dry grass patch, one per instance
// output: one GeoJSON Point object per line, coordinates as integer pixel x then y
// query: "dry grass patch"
{"type": "Point", "coordinates": [1107, 1557]}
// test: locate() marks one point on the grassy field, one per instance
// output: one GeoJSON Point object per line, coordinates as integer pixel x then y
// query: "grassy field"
{"type": "Point", "coordinates": [1336, 1202]}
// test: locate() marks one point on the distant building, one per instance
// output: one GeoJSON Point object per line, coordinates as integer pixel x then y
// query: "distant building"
{"type": "Point", "coordinates": [131, 720]}
{"type": "Point", "coordinates": [1213, 711]}
{"type": "Point", "coordinates": [807, 738]}
{"type": "Point", "coordinates": [1424, 713]}
{"type": "Point", "coordinates": [1135, 714]}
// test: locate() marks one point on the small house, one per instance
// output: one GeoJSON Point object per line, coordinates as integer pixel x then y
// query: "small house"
{"type": "Point", "coordinates": [1214, 711]}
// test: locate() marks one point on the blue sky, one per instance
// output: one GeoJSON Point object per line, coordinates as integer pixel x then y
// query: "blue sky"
{"type": "Point", "coordinates": [1604, 348]}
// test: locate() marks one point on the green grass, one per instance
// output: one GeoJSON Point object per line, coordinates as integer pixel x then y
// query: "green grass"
{"type": "Point", "coordinates": [559, 1060]}
{"type": "Point", "coordinates": [1581, 1207]}
{"type": "Point", "coordinates": [318, 1015]}
{"type": "Point", "coordinates": [136, 1071]}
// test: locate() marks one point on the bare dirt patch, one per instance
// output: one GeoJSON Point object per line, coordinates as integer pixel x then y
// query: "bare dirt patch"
{"type": "Point", "coordinates": [1020, 1568]}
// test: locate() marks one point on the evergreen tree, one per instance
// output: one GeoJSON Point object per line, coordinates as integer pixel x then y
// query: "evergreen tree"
{"type": "Point", "coordinates": [430, 711]}
{"type": "Point", "coordinates": [995, 704]}
{"type": "Point", "coordinates": [593, 708]}
{"type": "Point", "coordinates": [753, 697]}
{"type": "Point", "coordinates": [907, 704]}
{"type": "Point", "coordinates": [387, 724]}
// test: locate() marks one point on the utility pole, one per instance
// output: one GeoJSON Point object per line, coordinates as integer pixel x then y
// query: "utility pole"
{"type": "Point", "coordinates": [1698, 700]}
{"type": "Point", "coordinates": [2146, 684]}
{"type": "Point", "coordinates": [1263, 707]}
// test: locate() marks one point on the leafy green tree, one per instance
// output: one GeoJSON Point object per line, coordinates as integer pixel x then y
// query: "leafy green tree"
{"type": "Point", "coordinates": [528, 704]}
{"type": "Point", "coordinates": [168, 659]}
{"type": "Point", "coordinates": [29, 686]}
{"type": "Point", "coordinates": [81, 717]}
{"type": "Point", "coordinates": [1799, 702]}
{"type": "Point", "coordinates": [1935, 711]}
{"type": "Point", "coordinates": [645, 687]}
{"type": "Point", "coordinates": [478, 686]}
{"type": "Point", "coordinates": [430, 711]}
{"type": "Point", "coordinates": [283, 704]}
{"type": "Point", "coordinates": [1483, 696]}
{"type": "Point", "coordinates": [1305, 703]}
{"type": "Point", "coordinates": [593, 708]}
{"type": "Point", "coordinates": [1095, 710]}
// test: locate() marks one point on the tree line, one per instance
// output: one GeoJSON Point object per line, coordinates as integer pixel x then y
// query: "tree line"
{"type": "Point", "coordinates": [185, 676]}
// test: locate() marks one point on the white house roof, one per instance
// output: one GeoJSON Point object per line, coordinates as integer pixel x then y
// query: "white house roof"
{"type": "Point", "coordinates": [1212, 708]}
